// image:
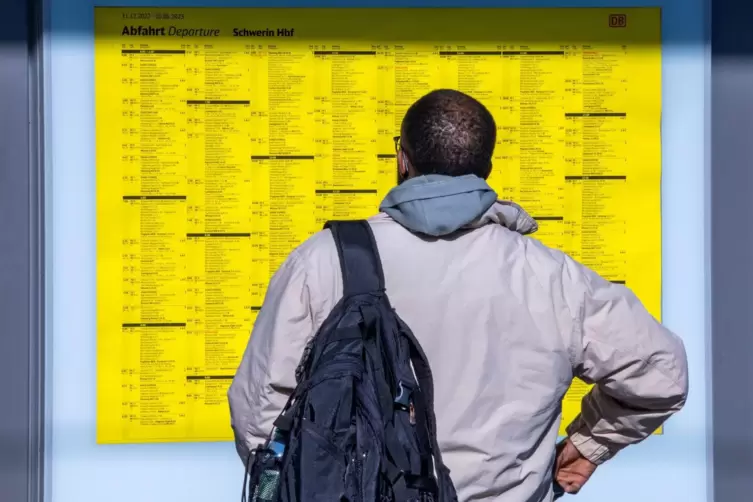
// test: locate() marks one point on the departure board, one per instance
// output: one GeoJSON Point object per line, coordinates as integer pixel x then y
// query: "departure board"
{"type": "Point", "coordinates": [225, 137]}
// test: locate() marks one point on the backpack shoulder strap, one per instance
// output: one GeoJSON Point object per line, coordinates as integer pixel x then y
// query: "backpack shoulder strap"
{"type": "Point", "coordinates": [425, 407]}
{"type": "Point", "coordinates": [359, 257]}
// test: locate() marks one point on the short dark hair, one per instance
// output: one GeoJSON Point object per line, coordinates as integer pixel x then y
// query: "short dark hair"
{"type": "Point", "coordinates": [450, 133]}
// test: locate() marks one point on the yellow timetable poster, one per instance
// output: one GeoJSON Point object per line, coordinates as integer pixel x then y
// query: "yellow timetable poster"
{"type": "Point", "coordinates": [226, 136]}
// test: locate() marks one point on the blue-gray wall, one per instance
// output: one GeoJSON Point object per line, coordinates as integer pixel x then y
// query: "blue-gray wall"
{"type": "Point", "coordinates": [21, 263]}
{"type": "Point", "coordinates": [732, 248]}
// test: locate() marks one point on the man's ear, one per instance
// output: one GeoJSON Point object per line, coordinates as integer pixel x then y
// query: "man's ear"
{"type": "Point", "coordinates": [401, 165]}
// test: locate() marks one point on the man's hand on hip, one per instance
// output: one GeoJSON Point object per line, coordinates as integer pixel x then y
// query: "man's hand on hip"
{"type": "Point", "coordinates": [572, 469]}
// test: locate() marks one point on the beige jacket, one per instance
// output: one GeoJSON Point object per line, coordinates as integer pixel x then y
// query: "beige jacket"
{"type": "Point", "coordinates": [506, 323]}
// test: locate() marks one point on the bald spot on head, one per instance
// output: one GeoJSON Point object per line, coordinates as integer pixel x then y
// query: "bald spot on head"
{"type": "Point", "coordinates": [450, 133]}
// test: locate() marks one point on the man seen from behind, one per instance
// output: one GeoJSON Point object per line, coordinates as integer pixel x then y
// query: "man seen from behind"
{"type": "Point", "coordinates": [506, 323]}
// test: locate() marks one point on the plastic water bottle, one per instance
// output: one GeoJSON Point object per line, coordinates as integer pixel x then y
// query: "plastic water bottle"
{"type": "Point", "coordinates": [278, 443]}
{"type": "Point", "coordinates": [269, 481]}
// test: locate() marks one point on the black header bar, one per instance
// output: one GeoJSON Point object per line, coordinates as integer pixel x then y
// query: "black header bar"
{"type": "Point", "coordinates": [154, 197]}
{"type": "Point", "coordinates": [345, 191]}
{"type": "Point", "coordinates": [344, 53]}
{"type": "Point", "coordinates": [282, 157]}
{"type": "Point", "coordinates": [153, 325]}
{"type": "Point", "coordinates": [215, 234]}
{"type": "Point", "coordinates": [533, 53]}
{"type": "Point", "coordinates": [596, 114]}
{"type": "Point", "coordinates": [151, 51]}
{"type": "Point", "coordinates": [470, 53]}
{"type": "Point", "coordinates": [602, 177]}
{"type": "Point", "coordinates": [216, 102]}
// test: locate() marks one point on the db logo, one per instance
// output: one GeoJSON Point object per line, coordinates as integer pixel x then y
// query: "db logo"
{"type": "Point", "coordinates": [617, 21]}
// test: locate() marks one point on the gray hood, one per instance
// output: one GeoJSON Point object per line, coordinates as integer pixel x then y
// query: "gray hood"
{"type": "Point", "coordinates": [438, 205]}
{"type": "Point", "coordinates": [509, 215]}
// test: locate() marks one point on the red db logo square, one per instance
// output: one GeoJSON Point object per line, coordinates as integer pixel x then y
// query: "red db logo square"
{"type": "Point", "coordinates": [617, 21]}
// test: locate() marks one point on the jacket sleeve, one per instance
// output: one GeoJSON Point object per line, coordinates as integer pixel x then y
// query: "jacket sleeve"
{"type": "Point", "coordinates": [637, 366]}
{"type": "Point", "coordinates": [266, 376]}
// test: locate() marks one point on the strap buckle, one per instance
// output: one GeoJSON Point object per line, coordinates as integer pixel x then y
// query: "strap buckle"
{"type": "Point", "coordinates": [403, 399]}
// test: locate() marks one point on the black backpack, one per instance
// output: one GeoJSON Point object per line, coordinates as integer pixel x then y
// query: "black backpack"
{"type": "Point", "coordinates": [359, 427]}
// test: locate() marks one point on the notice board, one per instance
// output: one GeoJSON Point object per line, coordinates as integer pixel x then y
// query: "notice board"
{"type": "Point", "coordinates": [226, 136]}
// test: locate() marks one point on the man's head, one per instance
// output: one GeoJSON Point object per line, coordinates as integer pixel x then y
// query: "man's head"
{"type": "Point", "coordinates": [446, 132]}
